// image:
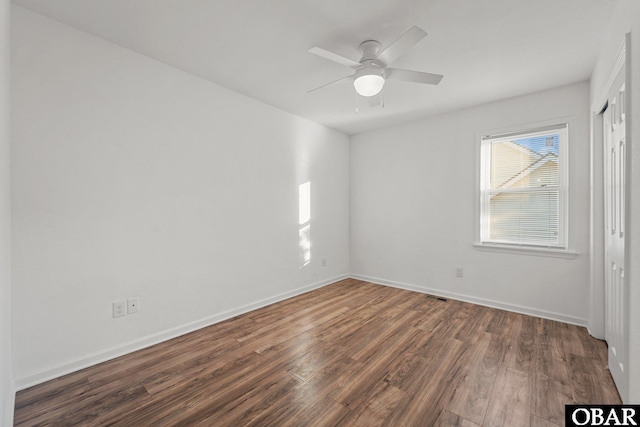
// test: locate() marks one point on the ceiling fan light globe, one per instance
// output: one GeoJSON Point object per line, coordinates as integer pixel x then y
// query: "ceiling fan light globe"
{"type": "Point", "coordinates": [369, 81]}
{"type": "Point", "coordinates": [368, 85]}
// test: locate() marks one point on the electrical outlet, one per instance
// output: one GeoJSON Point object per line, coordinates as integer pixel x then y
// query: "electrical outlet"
{"type": "Point", "coordinates": [133, 305]}
{"type": "Point", "coordinates": [119, 308]}
{"type": "Point", "coordinates": [324, 262]}
{"type": "Point", "coordinates": [459, 272]}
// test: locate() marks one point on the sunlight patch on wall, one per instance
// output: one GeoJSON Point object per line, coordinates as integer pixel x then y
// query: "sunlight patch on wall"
{"type": "Point", "coordinates": [304, 221]}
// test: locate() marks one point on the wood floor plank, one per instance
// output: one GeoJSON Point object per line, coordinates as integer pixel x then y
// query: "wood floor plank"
{"type": "Point", "coordinates": [295, 344]}
{"type": "Point", "coordinates": [421, 302]}
{"type": "Point", "coordinates": [511, 333]}
{"type": "Point", "coordinates": [525, 350]}
{"type": "Point", "coordinates": [411, 299]}
{"type": "Point", "coordinates": [352, 393]}
{"type": "Point", "coordinates": [315, 360]}
{"type": "Point", "coordinates": [53, 395]}
{"type": "Point", "coordinates": [325, 382]}
{"type": "Point", "coordinates": [498, 325]}
{"type": "Point", "coordinates": [249, 406]}
{"type": "Point", "coordinates": [471, 331]}
{"type": "Point", "coordinates": [199, 353]}
{"type": "Point", "coordinates": [292, 409]}
{"type": "Point", "coordinates": [510, 404]}
{"type": "Point", "coordinates": [431, 389]}
{"type": "Point", "coordinates": [549, 398]}
{"type": "Point", "coordinates": [52, 389]}
{"type": "Point", "coordinates": [241, 401]}
{"type": "Point", "coordinates": [591, 383]}
{"type": "Point", "coordinates": [91, 405]}
{"type": "Point", "coordinates": [171, 379]}
{"type": "Point", "coordinates": [449, 419]}
{"type": "Point", "coordinates": [165, 350]}
{"type": "Point", "coordinates": [565, 339]}
{"type": "Point", "coordinates": [540, 422]}
{"type": "Point", "coordinates": [407, 363]}
{"type": "Point", "coordinates": [289, 408]}
{"type": "Point", "coordinates": [349, 354]}
{"type": "Point", "coordinates": [552, 387]}
{"type": "Point", "coordinates": [304, 316]}
{"type": "Point", "coordinates": [435, 310]}
{"type": "Point", "coordinates": [377, 406]}
{"type": "Point", "coordinates": [169, 405]}
{"type": "Point", "coordinates": [242, 388]}
{"type": "Point", "coordinates": [471, 398]}
{"type": "Point", "coordinates": [357, 332]}
{"type": "Point", "coordinates": [326, 413]}
{"type": "Point", "coordinates": [385, 337]}
{"type": "Point", "coordinates": [286, 331]}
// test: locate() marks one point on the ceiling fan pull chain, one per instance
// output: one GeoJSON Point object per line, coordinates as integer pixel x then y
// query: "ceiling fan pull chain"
{"type": "Point", "coordinates": [356, 102]}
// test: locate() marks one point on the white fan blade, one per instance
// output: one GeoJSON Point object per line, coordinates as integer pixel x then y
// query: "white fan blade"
{"type": "Point", "coordinates": [375, 100]}
{"type": "Point", "coordinates": [334, 83]}
{"type": "Point", "coordinates": [334, 57]}
{"type": "Point", "coordinates": [400, 46]}
{"type": "Point", "coordinates": [412, 76]}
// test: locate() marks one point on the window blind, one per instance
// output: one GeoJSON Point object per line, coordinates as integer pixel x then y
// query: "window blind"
{"type": "Point", "coordinates": [524, 187]}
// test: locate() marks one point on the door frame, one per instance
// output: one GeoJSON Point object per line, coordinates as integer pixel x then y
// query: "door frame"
{"type": "Point", "coordinates": [596, 318]}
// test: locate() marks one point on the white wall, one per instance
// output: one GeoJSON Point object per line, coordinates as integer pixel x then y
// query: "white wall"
{"type": "Point", "coordinates": [6, 384]}
{"type": "Point", "coordinates": [413, 193]}
{"type": "Point", "coordinates": [627, 20]}
{"type": "Point", "coordinates": [132, 178]}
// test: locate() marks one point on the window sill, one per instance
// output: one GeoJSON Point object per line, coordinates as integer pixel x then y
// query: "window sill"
{"type": "Point", "coordinates": [527, 250]}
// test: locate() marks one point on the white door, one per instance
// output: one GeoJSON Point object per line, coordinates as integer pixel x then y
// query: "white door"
{"type": "Point", "coordinates": [616, 332]}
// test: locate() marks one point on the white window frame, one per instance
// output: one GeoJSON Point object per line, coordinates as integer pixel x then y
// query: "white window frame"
{"type": "Point", "coordinates": [483, 140]}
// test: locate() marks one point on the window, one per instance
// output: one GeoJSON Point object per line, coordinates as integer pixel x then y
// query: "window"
{"type": "Point", "coordinates": [523, 188]}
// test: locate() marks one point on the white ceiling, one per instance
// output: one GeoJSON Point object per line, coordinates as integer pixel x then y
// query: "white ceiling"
{"type": "Point", "coordinates": [486, 49]}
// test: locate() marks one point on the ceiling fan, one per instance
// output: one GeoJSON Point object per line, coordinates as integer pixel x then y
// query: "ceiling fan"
{"type": "Point", "coordinates": [373, 68]}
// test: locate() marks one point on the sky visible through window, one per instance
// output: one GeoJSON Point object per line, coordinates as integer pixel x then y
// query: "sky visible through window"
{"type": "Point", "coordinates": [542, 144]}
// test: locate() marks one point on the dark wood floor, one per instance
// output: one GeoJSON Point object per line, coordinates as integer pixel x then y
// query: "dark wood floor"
{"type": "Point", "coordinates": [349, 354]}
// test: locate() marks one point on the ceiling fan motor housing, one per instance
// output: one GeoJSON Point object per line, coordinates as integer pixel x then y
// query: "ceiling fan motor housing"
{"type": "Point", "coordinates": [369, 50]}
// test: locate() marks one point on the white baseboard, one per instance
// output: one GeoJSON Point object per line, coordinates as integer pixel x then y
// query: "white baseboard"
{"type": "Point", "coordinates": [149, 340]}
{"type": "Point", "coordinates": [475, 300]}
{"type": "Point", "coordinates": [593, 332]}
